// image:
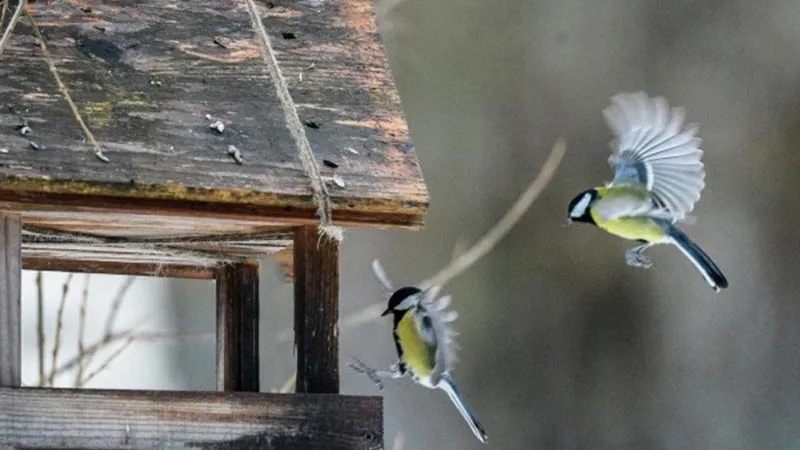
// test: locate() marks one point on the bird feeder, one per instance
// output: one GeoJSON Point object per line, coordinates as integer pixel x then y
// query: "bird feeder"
{"type": "Point", "coordinates": [188, 139]}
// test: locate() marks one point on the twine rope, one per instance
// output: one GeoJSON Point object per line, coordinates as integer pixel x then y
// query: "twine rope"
{"type": "Point", "coordinates": [319, 190]}
{"type": "Point", "coordinates": [12, 23]}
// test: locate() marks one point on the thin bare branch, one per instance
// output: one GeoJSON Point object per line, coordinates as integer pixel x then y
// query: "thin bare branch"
{"type": "Point", "coordinates": [488, 242]}
{"type": "Point", "coordinates": [40, 327]}
{"type": "Point", "coordinates": [3, 9]}
{"type": "Point", "coordinates": [116, 304]}
{"type": "Point", "coordinates": [288, 385]}
{"type": "Point", "coordinates": [170, 335]}
{"type": "Point", "coordinates": [353, 320]}
{"type": "Point", "coordinates": [138, 336]}
{"type": "Point", "coordinates": [83, 358]}
{"type": "Point", "coordinates": [59, 327]}
{"type": "Point", "coordinates": [11, 24]}
{"type": "Point", "coordinates": [399, 441]}
{"type": "Point", "coordinates": [108, 361]}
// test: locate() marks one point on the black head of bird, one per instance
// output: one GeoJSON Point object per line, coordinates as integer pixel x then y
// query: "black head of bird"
{"type": "Point", "coordinates": [578, 209]}
{"type": "Point", "coordinates": [401, 300]}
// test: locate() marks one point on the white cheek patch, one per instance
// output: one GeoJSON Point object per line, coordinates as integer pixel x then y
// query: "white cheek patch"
{"type": "Point", "coordinates": [580, 208]}
{"type": "Point", "coordinates": [407, 303]}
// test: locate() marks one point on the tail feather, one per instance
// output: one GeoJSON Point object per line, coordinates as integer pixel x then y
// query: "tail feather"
{"type": "Point", "coordinates": [446, 384]}
{"type": "Point", "coordinates": [712, 274]}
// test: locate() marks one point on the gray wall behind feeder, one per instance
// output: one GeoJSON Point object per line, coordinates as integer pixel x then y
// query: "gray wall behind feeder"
{"type": "Point", "coordinates": [562, 345]}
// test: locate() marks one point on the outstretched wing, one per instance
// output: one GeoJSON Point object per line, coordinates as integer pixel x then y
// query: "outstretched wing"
{"type": "Point", "coordinates": [432, 319]}
{"type": "Point", "coordinates": [380, 274]}
{"type": "Point", "coordinates": [653, 149]}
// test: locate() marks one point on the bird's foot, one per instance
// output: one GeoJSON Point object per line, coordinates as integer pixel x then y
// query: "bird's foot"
{"type": "Point", "coordinates": [635, 257]}
{"type": "Point", "coordinates": [360, 367]}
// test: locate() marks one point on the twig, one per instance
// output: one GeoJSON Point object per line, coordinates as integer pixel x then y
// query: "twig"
{"type": "Point", "coordinates": [108, 361]}
{"type": "Point", "coordinates": [112, 315]}
{"type": "Point", "coordinates": [82, 357]}
{"type": "Point", "coordinates": [167, 335]}
{"type": "Point", "coordinates": [13, 23]}
{"type": "Point", "coordinates": [482, 247]}
{"type": "Point", "coordinates": [399, 441]}
{"type": "Point", "coordinates": [138, 336]}
{"type": "Point", "coordinates": [40, 326]}
{"type": "Point", "coordinates": [59, 326]}
{"type": "Point", "coordinates": [98, 152]}
{"type": "Point", "coordinates": [356, 319]}
{"type": "Point", "coordinates": [116, 304]}
{"type": "Point", "coordinates": [288, 385]}
{"type": "Point", "coordinates": [3, 9]}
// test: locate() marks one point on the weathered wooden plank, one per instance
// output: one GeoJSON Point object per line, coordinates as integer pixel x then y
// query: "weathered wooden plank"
{"type": "Point", "coordinates": [110, 222]}
{"type": "Point", "coordinates": [316, 311]}
{"type": "Point", "coordinates": [10, 300]}
{"type": "Point", "coordinates": [99, 419]}
{"type": "Point", "coordinates": [145, 75]}
{"type": "Point", "coordinates": [238, 366]}
{"type": "Point", "coordinates": [192, 256]}
{"type": "Point", "coordinates": [120, 268]}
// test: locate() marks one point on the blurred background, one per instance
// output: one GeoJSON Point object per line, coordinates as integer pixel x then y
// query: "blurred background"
{"type": "Point", "coordinates": [563, 346]}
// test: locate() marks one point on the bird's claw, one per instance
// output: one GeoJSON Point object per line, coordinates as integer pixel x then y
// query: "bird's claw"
{"type": "Point", "coordinates": [635, 257]}
{"type": "Point", "coordinates": [360, 367]}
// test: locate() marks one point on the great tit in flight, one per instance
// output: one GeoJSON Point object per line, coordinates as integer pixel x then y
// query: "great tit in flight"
{"type": "Point", "coordinates": [424, 343]}
{"type": "Point", "coordinates": [658, 178]}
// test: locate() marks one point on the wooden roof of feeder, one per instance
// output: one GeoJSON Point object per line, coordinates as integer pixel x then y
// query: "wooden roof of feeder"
{"type": "Point", "coordinates": [150, 80]}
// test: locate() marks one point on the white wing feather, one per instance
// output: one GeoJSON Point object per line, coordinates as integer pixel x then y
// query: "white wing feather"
{"type": "Point", "coordinates": [380, 274]}
{"type": "Point", "coordinates": [652, 148]}
{"type": "Point", "coordinates": [440, 333]}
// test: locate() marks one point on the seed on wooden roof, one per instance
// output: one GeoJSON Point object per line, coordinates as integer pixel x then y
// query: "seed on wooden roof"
{"type": "Point", "coordinates": [219, 126]}
{"type": "Point", "coordinates": [235, 154]}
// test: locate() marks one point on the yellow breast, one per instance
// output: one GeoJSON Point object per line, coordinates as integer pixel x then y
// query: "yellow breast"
{"type": "Point", "coordinates": [418, 355]}
{"type": "Point", "coordinates": [636, 227]}
{"type": "Point", "coordinates": [633, 228]}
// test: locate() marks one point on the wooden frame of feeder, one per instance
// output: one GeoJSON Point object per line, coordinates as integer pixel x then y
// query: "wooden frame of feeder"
{"type": "Point", "coordinates": [171, 201]}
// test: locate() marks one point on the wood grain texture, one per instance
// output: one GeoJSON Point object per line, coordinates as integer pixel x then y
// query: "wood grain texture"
{"type": "Point", "coordinates": [145, 75]}
{"type": "Point", "coordinates": [238, 319]}
{"type": "Point", "coordinates": [316, 311]}
{"type": "Point", "coordinates": [137, 268]}
{"type": "Point", "coordinates": [99, 419]}
{"type": "Point", "coordinates": [10, 300]}
{"type": "Point", "coordinates": [166, 255]}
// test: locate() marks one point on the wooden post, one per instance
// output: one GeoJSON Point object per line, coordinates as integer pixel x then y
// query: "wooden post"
{"type": "Point", "coordinates": [316, 311]}
{"type": "Point", "coordinates": [237, 327]}
{"type": "Point", "coordinates": [10, 293]}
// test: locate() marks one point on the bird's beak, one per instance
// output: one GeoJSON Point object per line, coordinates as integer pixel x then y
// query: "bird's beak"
{"type": "Point", "coordinates": [567, 223]}
{"type": "Point", "coordinates": [386, 312]}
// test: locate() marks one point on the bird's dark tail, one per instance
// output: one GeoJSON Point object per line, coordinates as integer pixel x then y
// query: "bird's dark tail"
{"type": "Point", "coordinates": [447, 385]}
{"type": "Point", "coordinates": [712, 274]}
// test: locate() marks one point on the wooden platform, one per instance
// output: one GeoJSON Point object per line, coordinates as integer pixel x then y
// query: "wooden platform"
{"type": "Point", "coordinates": [60, 418]}
{"type": "Point", "coordinates": [149, 78]}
